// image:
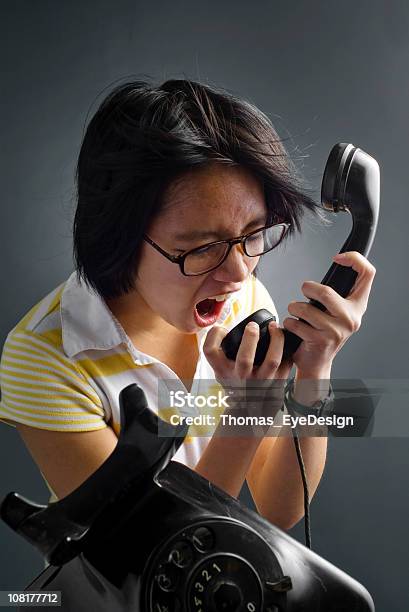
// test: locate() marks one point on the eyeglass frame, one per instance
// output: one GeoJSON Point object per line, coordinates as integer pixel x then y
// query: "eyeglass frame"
{"type": "Point", "coordinates": [180, 259]}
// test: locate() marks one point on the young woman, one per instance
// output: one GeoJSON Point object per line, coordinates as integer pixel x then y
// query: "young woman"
{"type": "Point", "coordinates": [181, 189]}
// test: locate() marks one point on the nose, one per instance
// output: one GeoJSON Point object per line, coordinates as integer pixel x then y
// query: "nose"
{"type": "Point", "coordinates": [236, 266]}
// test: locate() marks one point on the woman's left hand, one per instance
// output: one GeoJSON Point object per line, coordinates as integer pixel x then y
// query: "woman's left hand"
{"type": "Point", "coordinates": [328, 331]}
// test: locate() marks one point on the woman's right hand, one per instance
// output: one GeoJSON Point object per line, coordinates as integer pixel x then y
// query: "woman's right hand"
{"type": "Point", "coordinates": [243, 368]}
{"type": "Point", "coordinates": [251, 386]}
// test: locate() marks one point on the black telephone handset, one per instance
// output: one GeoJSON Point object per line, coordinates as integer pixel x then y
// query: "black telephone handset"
{"type": "Point", "coordinates": [351, 184]}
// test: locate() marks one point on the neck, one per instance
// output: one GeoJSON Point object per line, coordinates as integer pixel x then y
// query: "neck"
{"type": "Point", "coordinates": [139, 320]}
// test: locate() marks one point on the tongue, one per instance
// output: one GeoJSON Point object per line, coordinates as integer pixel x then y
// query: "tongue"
{"type": "Point", "coordinates": [205, 307]}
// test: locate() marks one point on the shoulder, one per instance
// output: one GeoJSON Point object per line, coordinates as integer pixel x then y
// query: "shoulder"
{"type": "Point", "coordinates": [38, 335]}
{"type": "Point", "coordinates": [40, 385]}
{"type": "Point", "coordinates": [42, 318]}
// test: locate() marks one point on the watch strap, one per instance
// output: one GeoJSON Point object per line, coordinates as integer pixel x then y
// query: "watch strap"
{"type": "Point", "coordinates": [319, 408]}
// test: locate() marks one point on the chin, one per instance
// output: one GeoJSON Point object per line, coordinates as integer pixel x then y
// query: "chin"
{"type": "Point", "coordinates": [192, 329]}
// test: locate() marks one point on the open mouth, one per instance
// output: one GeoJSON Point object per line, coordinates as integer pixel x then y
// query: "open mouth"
{"type": "Point", "coordinates": [207, 311]}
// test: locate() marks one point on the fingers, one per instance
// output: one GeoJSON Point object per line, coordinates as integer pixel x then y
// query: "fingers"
{"type": "Point", "coordinates": [348, 320]}
{"type": "Point", "coordinates": [247, 350]}
{"type": "Point", "coordinates": [366, 273]}
{"type": "Point", "coordinates": [306, 332]}
{"type": "Point", "coordinates": [213, 351]}
{"type": "Point", "coordinates": [310, 314]}
{"type": "Point", "coordinates": [243, 367]}
{"type": "Point", "coordinates": [360, 291]}
{"type": "Point", "coordinates": [271, 363]}
{"type": "Point", "coordinates": [328, 297]}
{"type": "Point", "coordinates": [351, 308]}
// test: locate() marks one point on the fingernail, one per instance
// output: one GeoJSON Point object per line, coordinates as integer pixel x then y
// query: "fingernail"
{"type": "Point", "coordinates": [252, 325]}
{"type": "Point", "coordinates": [273, 324]}
{"type": "Point", "coordinates": [340, 256]}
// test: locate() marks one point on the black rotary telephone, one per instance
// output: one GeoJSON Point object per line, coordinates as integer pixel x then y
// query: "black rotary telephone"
{"type": "Point", "coordinates": [147, 534]}
{"type": "Point", "coordinates": [351, 184]}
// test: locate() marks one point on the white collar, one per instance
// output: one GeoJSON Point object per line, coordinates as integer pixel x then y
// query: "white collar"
{"type": "Point", "coordinates": [87, 322]}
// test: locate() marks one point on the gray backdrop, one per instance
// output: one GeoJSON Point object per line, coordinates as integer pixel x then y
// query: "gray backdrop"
{"type": "Point", "coordinates": [324, 72]}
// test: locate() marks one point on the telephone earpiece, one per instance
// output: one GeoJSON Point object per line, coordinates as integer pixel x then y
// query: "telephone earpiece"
{"type": "Point", "coordinates": [351, 184]}
{"type": "Point", "coordinates": [263, 318]}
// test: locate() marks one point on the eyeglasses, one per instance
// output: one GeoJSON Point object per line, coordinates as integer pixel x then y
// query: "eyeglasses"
{"type": "Point", "coordinates": [207, 257]}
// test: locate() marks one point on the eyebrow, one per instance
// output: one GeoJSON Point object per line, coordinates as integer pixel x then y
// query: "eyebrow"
{"type": "Point", "coordinates": [195, 234]}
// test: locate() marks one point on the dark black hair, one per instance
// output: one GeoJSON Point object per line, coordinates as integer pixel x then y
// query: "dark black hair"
{"type": "Point", "coordinates": [141, 139]}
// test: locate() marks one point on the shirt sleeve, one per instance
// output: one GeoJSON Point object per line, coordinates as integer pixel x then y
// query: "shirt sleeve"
{"type": "Point", "coordinates": [43, 388]}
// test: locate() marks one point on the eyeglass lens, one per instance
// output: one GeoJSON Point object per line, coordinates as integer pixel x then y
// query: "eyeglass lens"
{"type": "Point", "coordinates": [206, 258]}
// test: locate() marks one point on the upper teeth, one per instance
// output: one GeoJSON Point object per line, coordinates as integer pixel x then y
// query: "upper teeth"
{"type": "Point", "coordinates": [219, 298]}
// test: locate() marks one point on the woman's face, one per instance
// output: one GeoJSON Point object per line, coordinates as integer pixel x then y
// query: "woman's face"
{"type": "Point", "coordinates": [211, 203]}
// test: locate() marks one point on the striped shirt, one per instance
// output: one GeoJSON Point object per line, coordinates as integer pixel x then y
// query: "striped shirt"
{"type": "Point", "coordinates": [64, 364]}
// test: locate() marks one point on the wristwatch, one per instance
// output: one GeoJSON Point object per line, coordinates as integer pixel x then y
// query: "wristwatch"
{"type": "Point", "coordinates": [319, 408]}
